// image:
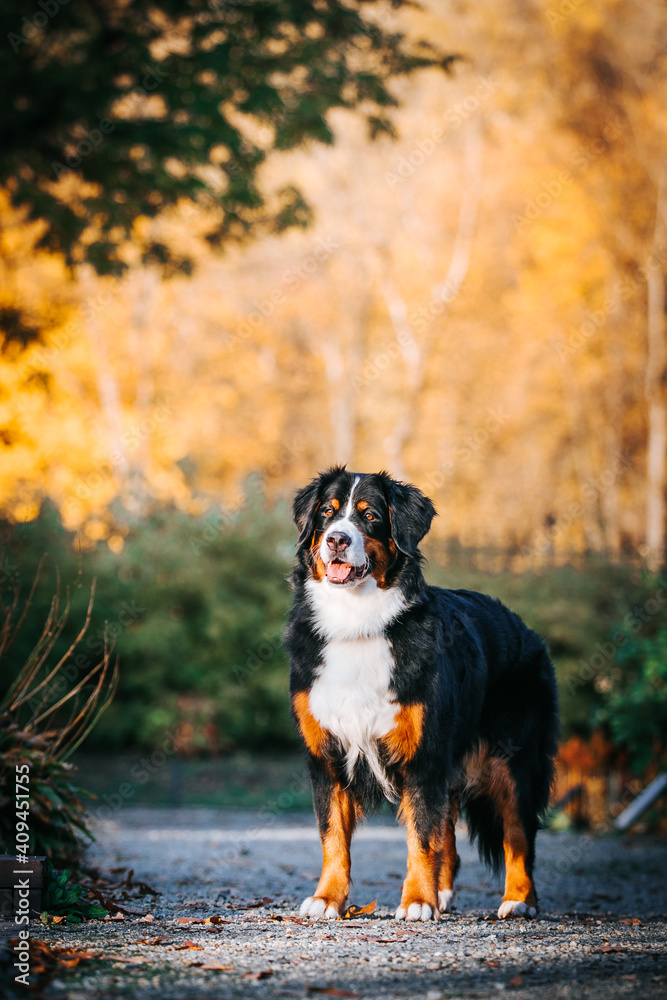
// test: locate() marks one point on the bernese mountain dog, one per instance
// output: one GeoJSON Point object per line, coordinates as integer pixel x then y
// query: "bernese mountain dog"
{"type": "Point", "coordinates": [438, 700]}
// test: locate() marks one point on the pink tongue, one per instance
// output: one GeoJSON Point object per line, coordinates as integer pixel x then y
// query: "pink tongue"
{"type": "Point", "coordinates": [338, 572]}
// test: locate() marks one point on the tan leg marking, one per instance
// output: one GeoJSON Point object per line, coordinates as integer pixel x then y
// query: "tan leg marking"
{"type": "Point", "coordinates": [313, 734]}
{"type": "Point", "coordinates": [403, 740]}
{"type": "Point", "coordinates": [334, 885]}
{"type": "Point", "coordinates": [419, 899]}
{"type": "Point", "coordinates": [496, 781]}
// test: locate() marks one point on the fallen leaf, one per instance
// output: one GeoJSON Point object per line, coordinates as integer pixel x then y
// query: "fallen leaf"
{"type": "Point", "coordinates": [630, 920]}
{"type": "Point", "coordinates": [606, 948]}
{"type": "Point", "coordinates": [188, 945]}
{"type": "Point", "coordinates": [148, 919]}
{"type": "Point", "coordinates": [153, 941]}
{"type": "Point", "coordinates": [492, 965]}
{"type": "Point", "coordinates": [264, 974]}
{"type": "Point", "coordinates": [357, 911]}
{"type": "Point", "coordinates": [217, 968]}
{"type": "Point", "coordinates": [70, 957]}
{"type": "Point", "coordinates": [515, 982]}
{"type": "Point", "coordinates": [204, 920]}
{"type": "Point", "coordinates": [289, 918]}
{"type": "Point", "coordinates": [113, 905]}
{"type": "Point", "coordinates": [132, 960]}
{"type": "Point", "coordinates": [252, 905]}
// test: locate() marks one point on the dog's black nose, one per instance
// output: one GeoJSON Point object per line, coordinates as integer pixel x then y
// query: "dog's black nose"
{"type": "Point", "coordinates": [338, 541]}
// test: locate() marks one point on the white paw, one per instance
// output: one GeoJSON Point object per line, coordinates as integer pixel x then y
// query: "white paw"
{"type": "Point", "coordinates": [314, 907]}
{"type": "Point", "coordinates": [415, 911]}
{"type": "Point", "coordinates": [514, 908]}
{"type": "Point", "coordinates": [445, 900]}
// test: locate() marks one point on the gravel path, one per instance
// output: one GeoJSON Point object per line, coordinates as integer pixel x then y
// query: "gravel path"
{"type": "Point", "coordinates": [602, 931]}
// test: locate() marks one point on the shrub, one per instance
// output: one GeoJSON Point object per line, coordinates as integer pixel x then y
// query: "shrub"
{"type": "Point", "coordinates": [196, 607]}
{"type": "Point", "coordinates": [635, 699]}
{"type": "Point", "coordinates": [42, 722]}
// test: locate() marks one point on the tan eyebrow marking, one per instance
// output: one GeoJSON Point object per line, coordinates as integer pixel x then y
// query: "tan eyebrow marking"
{"type": "Point", "coordinates": [335, 504]}
{"type": "Point", "coordinates": [363, 505]}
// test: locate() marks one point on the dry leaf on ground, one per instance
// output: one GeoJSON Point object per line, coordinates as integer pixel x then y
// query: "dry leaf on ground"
{"type": "Point", "coordinates": [358, 911]}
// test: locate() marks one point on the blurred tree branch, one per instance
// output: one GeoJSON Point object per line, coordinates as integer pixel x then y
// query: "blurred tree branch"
{"type": "Point", "coordinates": [115, 112]}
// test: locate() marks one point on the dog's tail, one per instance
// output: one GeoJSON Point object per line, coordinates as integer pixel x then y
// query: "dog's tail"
{"type": "Point", "coordinates": [485, 828]}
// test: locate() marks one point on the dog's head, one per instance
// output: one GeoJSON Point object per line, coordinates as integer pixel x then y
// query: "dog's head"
{"type": "Point", "coordinates": [353, 525]}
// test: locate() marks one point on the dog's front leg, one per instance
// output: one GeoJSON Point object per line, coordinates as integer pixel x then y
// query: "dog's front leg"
{"type": "Point", "coordinates": [336, 818]}
{"type": "Point", "coordinates": [419, 899]}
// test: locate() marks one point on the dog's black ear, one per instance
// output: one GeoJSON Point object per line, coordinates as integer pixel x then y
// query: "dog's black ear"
{"type": "Point", "coordinates": [304, 509]}
{"type": "Point", "coordinates": [410, 513]}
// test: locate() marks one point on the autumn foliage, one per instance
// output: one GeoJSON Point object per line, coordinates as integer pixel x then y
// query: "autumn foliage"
{"type": "Point", "coordinates": [477, 306]}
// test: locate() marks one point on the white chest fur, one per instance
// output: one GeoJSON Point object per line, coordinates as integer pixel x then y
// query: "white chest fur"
{"type": "Point", "coordinates": [353, 612]}
{"type": "Point", "coordinates": [351, 698]}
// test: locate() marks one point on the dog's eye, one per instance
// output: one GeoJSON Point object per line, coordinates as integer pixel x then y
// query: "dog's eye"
{"type": "Point", "coordinates": [327, 511]}
{"type": "Point", "coordinates": [369, 515]}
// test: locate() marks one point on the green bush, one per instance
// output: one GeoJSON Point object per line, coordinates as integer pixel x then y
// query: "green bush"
{"type": "Point", "coordinates": [196, 608]}
{"type": "Point", "coordinates": [635, 698]}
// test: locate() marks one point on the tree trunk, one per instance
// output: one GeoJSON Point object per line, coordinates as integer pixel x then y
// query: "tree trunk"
{"type": "Point", "coordinates": [416, 356]}
{"type": "Point", "coordinates": [655, 399]}
{"type": "Point", "coordinates": [107, 386]}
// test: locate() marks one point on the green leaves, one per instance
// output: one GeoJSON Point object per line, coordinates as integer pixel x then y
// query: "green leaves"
{"type": "Point", "coordinates": [635, 695]}
{"type": "Point", "coordinates": [68, 899]}
{"type": "Point", "coordinates": [104, 95]}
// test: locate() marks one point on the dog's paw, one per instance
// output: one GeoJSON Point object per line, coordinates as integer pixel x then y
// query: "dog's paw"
{"type": "Point", "coordinates": [445, 900]}
{"type": "Point", "coordinates": [317, 907]}
{"type": "Point", "coordinates": [416, 911]}
{"type": "Point", "coordinates": [515, 908]}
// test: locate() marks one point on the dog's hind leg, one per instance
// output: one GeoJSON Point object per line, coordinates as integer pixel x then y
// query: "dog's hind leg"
{"type": "Point", "coordinates": [501, 786]}
{"type": "Point", "coordinates": [449, 859]}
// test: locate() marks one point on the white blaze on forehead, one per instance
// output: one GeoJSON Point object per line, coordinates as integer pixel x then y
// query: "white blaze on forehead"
{"type": "Point", "coordinates": [355, 554]}
{"type": "Point", "coordinates": [348, 509]}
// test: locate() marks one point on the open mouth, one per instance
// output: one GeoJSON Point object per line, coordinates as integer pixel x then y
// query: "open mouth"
{"type": "Point", "coordinates": [342, 572]}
